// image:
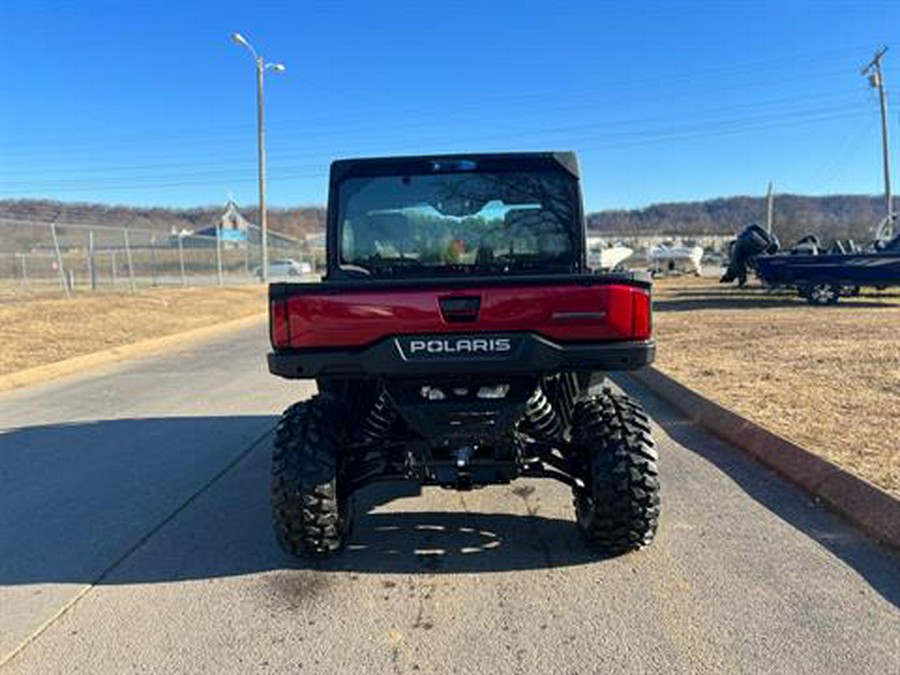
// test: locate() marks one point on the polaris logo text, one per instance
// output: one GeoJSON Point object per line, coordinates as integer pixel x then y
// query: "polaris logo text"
{"type": "Point", "coordinates": [461, 346]}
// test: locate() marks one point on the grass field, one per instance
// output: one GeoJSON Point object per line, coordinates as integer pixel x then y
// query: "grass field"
{"type": "Point", "coordinates": [827, 378]}
{"type": "Point", "coordinates": [41, 328]}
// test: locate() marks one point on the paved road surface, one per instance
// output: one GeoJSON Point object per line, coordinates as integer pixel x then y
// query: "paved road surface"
{"type": "Point", "coordinates": [134, 536]}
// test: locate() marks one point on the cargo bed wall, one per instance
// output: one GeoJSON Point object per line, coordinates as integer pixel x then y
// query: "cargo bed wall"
{"type": "Point", "coordinates": [571, 309]}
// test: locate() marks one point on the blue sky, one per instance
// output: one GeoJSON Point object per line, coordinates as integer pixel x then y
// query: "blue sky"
{"type": "Point", "coordinates": [152, 104]}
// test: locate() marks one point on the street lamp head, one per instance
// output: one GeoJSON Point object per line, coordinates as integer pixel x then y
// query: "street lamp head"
{"type": "Point", "coordinates": [241, 40]}
{"type": "Point", "coordinates": [279, 67]}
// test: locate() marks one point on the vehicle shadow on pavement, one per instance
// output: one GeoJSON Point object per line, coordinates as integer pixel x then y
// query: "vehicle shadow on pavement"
{"type": "Point", "coordinates": [78, 499]}
{"type": "Point", "coordinates": [454, 540]}
{"type": "Point", "coordinates": [869, 559]}
{"type": "Point", "coordinates": [158, 500]}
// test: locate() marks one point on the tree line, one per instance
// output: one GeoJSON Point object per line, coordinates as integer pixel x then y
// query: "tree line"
{"type": "Point", "coordinates": [794, 216]}
{"type": "Point", "coordinates": [829, 217]}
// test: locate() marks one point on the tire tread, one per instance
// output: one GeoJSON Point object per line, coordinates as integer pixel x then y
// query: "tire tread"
{"type": "Point", "coordinates": [308, 515]}
{"type": "Point", "coordinates": [618, 511]}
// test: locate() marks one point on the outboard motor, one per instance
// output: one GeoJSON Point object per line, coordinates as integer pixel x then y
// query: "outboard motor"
{"type": "Point", "coordinates": [809, 245]}
{"type": "Point", "coordinates": [751, 242]}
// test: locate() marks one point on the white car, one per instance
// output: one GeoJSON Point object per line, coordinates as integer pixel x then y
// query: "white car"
{"type": "Point", "coordinates": [285, 267]}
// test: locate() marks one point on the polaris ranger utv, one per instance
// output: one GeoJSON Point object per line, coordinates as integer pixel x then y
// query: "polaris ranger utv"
{"type": "Point", "coordinates": [459, 339]}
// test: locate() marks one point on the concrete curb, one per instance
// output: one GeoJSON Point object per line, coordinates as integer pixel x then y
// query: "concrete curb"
{"type": "Point", "coordinates": [867, 506]}
{"type": "Point", "coordinates": [79, 364]}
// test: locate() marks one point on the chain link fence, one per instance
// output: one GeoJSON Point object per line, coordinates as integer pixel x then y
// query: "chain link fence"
{"type": "Point", "coordinates": [84, 258]}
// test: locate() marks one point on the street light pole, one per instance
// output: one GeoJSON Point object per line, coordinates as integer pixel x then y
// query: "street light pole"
{"type": "Point", "coordinates": [263, 224]}
{"type": "Point", "coordinates": [261, 67]}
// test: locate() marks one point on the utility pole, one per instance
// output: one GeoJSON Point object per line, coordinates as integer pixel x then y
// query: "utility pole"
{"type": "Point", "coordinates": [261, 67]}
{"type": "Point", "coordinates": [770, 204]}
{"type": "Point", "coordinates": [876, 81]}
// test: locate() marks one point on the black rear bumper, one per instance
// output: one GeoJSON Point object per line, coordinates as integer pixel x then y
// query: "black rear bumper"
{"type": "Point", "coordinates": [529, 354]}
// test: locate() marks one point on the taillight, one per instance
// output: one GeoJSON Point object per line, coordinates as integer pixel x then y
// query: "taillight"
{"type": "Point", "coordinates": [627, 312]}
{"type": "Point", "coordinates": [279, 326]}
{"type": "Point", "coordinates": [640, 315]}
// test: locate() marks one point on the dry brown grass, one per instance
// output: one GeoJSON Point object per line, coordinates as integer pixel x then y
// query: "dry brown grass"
{"type": "Point", "coordinates": [36, 330]}
{"type": "Point", "coordinates": [827, 378]}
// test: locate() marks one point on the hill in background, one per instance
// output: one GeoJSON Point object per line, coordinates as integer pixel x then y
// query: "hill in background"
{"type": "Point", "coordinates": [837, 216]}
{"type": "Point", "coordinates": [830, 217]}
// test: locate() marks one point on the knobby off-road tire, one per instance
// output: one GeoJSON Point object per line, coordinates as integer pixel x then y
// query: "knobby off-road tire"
{"type": "Point", "coordinates": [310, 512]}
{"type": "Point", "coordinates": [618, 510]}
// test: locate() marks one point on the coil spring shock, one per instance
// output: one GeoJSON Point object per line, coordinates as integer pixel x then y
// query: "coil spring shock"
{"type": "Point", "coordinates": [542, 420]}
{"type": "Point", "coordinates": [379, 420]}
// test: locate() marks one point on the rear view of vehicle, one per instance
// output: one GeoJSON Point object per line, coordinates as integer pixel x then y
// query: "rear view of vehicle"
{"type": "Point", "coordinates": [459, 339]}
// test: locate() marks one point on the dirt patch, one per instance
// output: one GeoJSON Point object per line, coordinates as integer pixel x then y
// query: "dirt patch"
{"type": "Point", "coordinates": [36, 330]}
{"type": "Point", "coordinates": [827, 378]}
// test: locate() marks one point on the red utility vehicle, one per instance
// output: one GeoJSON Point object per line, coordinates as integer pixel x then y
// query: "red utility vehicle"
{"type": "Point", "coordinates": [459, 339]}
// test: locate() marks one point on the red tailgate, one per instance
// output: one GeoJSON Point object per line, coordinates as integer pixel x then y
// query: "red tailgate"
{"type": "Point", "coordinates": [563, 313]}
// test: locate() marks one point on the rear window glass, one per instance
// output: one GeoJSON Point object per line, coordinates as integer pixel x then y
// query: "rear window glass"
{"type": "Point", "coordinates": [458, 222]}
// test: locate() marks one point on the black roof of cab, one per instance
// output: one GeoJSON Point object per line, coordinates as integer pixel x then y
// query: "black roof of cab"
{"type": "Point", "coordinates": [424, 164]}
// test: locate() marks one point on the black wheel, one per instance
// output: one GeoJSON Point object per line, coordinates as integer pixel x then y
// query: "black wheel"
{"type": "Point", "coordinates": [618, 509]}
{"type": "Point", "coordinates": [311, 511]}
{"type": "Point", "coordinates": [822, 292]}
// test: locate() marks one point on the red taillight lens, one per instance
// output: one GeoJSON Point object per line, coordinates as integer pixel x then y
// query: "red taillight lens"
{"type": "Point", "coordinates": [640, 315]}
{"type": "Point", "coordinates": [279, 326]}
{"type": "Point", "coordinates": [626, 311]}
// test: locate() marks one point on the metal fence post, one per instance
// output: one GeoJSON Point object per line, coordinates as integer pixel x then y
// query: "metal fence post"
{"type": "Point", "coordinates": [115, 273]}
{"type": "Point", "coordinates": [130, 262]}
{"type": "Point", "coordinates": [181, 259]}
{"type": "Point", "coordinates": [219, 254]}
{"type": "Point", "coordinates": [24, 257]}
{"type": "Point", "coordinates": [92, 260]}
{"type": "Point", "coordinates": [153, 258]}
{"type": "Point", "coordinates": [59, 262]}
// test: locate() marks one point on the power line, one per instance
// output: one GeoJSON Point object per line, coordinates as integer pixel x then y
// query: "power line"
{"type": "Point", "coordinates": [636, 139]}
{"type": "Point", "coordinates": [846, 149]}
{"type": "Point", "coordinates": [215, 141]}
{"type": "Point", "coordinates": [582, 128]}
{"type": "Point", "coordinates": [172, 136]}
